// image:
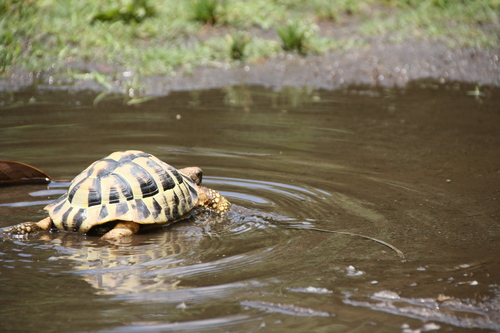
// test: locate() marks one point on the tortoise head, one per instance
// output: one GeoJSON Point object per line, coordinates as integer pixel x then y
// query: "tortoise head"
{"type": "Point", "coordinates": [206, 197]}
{"type": "Point", "coordinates": [195, 173]}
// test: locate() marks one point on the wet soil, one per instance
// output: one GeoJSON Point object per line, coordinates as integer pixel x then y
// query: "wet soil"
{"type": "Point", "coordinates": [380, 63]}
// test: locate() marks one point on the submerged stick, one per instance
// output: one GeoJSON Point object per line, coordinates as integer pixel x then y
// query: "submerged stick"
{"type": "Point", "coordinates": [353, 234]}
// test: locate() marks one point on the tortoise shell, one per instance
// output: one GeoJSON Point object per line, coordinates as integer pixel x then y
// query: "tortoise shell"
{"type": "Point", "coordinates": [127, 186]}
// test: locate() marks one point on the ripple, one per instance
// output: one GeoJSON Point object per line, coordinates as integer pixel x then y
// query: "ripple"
{"type": "Point", "coordinates": [189, 326]}
{"type": "Point", "coordinates": [194, 294]}
{"type": "Point", "coordinates": [41, 193]}
{"type": "Point", "coordinates": [287, 309]}
{"type": "Point", "coordinates": [456, 312]}
{"type": "Point", "coordinates": [232, 263]}
{"type": "Point", "coordinates": [192, 151]}
{"type": "Point", "coordinates": [287, 201]}
{"type": "Point", "coordinates": [161, 264]}
{"type": "Point", "coordinates": [49, 192]}
{"type": "Point", "coordinates": [311, 290]}
{"type": "Point", "coordinates": [251, 199]}
{"type": "Point", "coordinates": [26, 203]}
{"type": "Point", "coordinates": [288, 190]}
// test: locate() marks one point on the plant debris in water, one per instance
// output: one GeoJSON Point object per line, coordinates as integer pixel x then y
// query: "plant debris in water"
{"type": "Point", "coordinates": [400, 254]}
{"type": "Point", "coordinates": [12, 173]}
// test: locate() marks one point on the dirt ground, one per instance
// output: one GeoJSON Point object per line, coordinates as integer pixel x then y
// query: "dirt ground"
{"type": "Point", "coordinates": [381, 63]}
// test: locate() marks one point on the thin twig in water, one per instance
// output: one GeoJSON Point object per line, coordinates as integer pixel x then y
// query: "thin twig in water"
{"type": "Point", "coordinates": [352, 234]}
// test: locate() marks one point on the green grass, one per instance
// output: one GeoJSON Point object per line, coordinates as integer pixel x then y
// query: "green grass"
{"type": "Point", "coordinates": [237, 44]}
{"type": "Point", "coordinates": [165, 36]}
{"type": "Point", "coordinates": [457, 22]}
{"type": "Point", "coordinates": [132, 12]}
{"type": "Point", "coordinates": [294, 37]}
{"type": "Point", "coordinates": [204, 11]}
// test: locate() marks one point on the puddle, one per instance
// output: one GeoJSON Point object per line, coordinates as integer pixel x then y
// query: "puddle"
{"type": "Point", "coordinates": [417, 168]}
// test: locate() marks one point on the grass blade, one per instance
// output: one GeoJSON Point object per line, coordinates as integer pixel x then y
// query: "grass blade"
{"type": "Point", "coordinates": [400, 254]}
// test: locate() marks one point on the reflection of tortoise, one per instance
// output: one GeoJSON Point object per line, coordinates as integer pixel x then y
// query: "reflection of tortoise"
{"type": "Point", "coordinates": [123, 191]}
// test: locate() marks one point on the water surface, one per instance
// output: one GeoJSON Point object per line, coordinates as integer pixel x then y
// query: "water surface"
{"type": "Point", "coordinates": [417, 168]}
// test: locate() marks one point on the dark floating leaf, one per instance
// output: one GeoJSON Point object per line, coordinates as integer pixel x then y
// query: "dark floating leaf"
{"type": "Point", "coordinates": [12, 173]}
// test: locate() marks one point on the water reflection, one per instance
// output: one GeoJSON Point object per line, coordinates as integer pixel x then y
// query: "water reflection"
{"type": "Point", "coordinates": [286, 98]}
{"type": "Point", "coordinates": [123, 270]}
{"type": "Point", "coordinates": [238, 96]}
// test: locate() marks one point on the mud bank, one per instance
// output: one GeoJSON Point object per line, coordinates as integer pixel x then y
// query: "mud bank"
{"type": "Point", "coordinates": [380, 64]}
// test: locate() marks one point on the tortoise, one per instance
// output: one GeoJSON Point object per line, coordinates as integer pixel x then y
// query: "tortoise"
{"type": "Point", "coordinates": [124, 191]}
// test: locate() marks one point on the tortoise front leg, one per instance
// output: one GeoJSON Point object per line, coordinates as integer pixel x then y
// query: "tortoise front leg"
{"type": "Point", "coordinates": [122, 229]}
{"type": "Point", "coordinates": [212, 199]}
{"type": "Point", "coordinates": [27, 228]}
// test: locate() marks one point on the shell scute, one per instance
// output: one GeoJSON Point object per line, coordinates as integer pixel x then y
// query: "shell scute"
{"type": "Point", "coordinates": [78, 218]}
{"type": "Point", "coordinates": [59, 203]}
{"type": "Point", "coordinates": [94, 194]}
{"type": "Point", "coordinates": [103, 213]}
{"type": "Point", "coordinates": [164, 178]}
{"type": "Point", "coordinates": [145, 181]}
{"type": "Point", "coordinates": [116, 188]}
{"type": "Point", "coordinates": [156, 209]}
{"type": "Point", "coordinates": [128, 186]}
{"type": "Point", "coordinates": [140, 210]}
{"type": "Point", "coordinates": [120, 211]}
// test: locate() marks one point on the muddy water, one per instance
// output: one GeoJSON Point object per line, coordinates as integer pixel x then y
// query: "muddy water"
{"type": "Point", "coordinates": [417, 168]}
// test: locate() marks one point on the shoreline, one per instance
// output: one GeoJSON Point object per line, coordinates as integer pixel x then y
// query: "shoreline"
{"type": "Point", "coordinates": [380, 64]}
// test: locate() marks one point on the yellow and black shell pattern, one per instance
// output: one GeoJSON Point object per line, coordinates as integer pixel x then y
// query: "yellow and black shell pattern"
{"type": "Point", "coordinates": [127, 186]}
